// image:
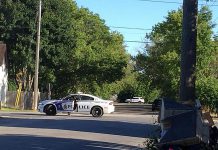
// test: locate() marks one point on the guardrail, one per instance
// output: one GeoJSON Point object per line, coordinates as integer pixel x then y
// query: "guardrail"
{"type": "Point", "coordinates": [134, 108]}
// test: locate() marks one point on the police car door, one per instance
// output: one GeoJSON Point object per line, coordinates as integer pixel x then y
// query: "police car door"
{"type": "Point", "coordinates": [67, 103]}
{"type": "Point", "coordinates": [85, 103]}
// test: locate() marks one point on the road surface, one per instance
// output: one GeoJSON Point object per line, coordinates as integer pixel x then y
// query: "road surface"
{"type": "Point", "coordinates": [34, 131]}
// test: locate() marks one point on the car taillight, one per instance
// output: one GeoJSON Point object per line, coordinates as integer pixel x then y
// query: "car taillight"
{"type": "Point", "coordinates": [111, 103]}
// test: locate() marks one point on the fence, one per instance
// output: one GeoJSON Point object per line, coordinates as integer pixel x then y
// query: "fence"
{"type": "Point", "coordinates": [24, 101]}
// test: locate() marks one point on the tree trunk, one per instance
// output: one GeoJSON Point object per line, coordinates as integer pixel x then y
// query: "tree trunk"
{"type": "Point", "coordinates": [188, 50]}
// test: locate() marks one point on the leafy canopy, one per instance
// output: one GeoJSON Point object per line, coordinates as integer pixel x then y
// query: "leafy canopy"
{"type": "Point", "coordinates": [160, 62]}
{"type": "Point", "coordinates": [78, 52]}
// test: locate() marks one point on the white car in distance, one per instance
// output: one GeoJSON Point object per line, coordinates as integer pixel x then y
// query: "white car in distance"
{"type": "Point", "coordinates": [135, 100]}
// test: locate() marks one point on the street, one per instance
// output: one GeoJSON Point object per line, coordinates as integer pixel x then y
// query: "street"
{"type": "Point", "coordinates": [35, 131]}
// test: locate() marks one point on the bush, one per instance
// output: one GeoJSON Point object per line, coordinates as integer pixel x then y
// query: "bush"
{"type": "Point", "coordinates": [151, 144]}
{"type": "Point", "coordinates": [207, 93]}
{"type": "Point", "coordinates": [12, 85]}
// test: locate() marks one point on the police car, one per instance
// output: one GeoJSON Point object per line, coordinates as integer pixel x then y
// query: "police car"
{"type": "Point", "coordinates": [77, 103]}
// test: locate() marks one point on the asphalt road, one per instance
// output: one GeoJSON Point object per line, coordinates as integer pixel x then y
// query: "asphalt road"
{"type": "Point", "coordinates": [34, 131]}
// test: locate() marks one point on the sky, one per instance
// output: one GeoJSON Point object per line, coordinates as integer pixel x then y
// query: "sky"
{"type": "Point", "coordinates": [137, 17]}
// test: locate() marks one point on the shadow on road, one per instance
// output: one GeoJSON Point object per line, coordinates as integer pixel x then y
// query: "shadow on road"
{"type": "Point", "coordinates": [26, 142]}
{"type": "Point", "coordinates": [94, 126]}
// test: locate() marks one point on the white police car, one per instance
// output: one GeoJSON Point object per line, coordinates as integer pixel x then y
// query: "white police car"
{"type": "Point", "coordinates": [84, 103]}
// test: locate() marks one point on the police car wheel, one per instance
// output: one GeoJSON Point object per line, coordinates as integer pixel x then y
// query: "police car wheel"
{"type": "Point", "coordinates": [97, 112]}
{"type": "Point", "coordinates": [50, 110]}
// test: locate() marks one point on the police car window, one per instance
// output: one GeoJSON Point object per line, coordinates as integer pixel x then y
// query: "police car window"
{"type": "Point", "coordinates": [86, 98]}
{"type": "Point", "coordinates": [69, 98]}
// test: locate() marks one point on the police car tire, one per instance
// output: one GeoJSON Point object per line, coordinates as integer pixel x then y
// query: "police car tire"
{"type": "Point", "coordinates": [97, 111]}
{"type": "Point", "coordinates": [50, 110]}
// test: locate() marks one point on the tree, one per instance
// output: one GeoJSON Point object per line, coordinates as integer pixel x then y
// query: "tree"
{"type": "Point", "coordinates": [78, 52]}
{"type": "Point", "coordinates": [98, 56]}
{"type": "Point", "coordinates": [161, 60]}
{"type": "Point", "coordinates": [18, 32]}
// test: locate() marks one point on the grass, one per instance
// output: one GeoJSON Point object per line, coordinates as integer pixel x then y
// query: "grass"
{"type": "Point", "coordinates": [12, 109]}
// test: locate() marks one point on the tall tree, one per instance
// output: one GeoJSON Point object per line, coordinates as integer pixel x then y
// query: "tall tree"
{"type": "Point", "coordinates": [78, 52]}
{"type": "Point", "coordinates": [17, 30]}
{"type": "Point", "coordinates": [98, 57]}
{"type": "Point", "coordinates": [161, 60]}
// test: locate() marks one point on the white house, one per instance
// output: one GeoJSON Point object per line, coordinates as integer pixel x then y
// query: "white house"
{"type": "Point", "coordinates": [3, 73]}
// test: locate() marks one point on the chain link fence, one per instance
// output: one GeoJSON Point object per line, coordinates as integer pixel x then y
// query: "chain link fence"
{"type": "Point", "coordinates": [24, 101]}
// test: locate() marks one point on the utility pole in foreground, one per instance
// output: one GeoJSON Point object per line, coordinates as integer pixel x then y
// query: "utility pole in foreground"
{"type": "Point", "coordinates": [37, 57]}
{"type": "Point", "coordinates": [182, 124]}
{"type": "Point", "coordinates": [188, 51]}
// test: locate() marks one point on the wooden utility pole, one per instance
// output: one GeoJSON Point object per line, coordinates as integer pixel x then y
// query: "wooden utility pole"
{"type": "Point", "coordinates": [188, 50]}
{"type": "Point", "coordinates": [37, 57]}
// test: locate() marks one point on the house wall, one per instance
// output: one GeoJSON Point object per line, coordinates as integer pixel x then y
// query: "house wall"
{"type": "Point", "coordinates": [3, 73]}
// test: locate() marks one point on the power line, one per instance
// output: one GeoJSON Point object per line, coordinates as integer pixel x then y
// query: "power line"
{"type": "Point", "coordinates": [137, 42]}
{"type": "Point", "coordinates": [25, 27]}
{"type": "Point", "coordinates": [134, 33]}
{"type": "Point", "coordinates": [131, 28]}
{"type": "Point", "coordinates": [158, 1]}
{"type": "Point", "coordinates": [167, 2]}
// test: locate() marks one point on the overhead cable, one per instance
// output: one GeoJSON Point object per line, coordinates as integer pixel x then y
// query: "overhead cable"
{"type": "Point", "coordinates": [129, 28]}
{"type": "Point", "coordinates": [168, 2]}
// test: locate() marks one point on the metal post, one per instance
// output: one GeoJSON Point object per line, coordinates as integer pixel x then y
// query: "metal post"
{"type": "Point", "coordinates": [37, 58]}
{"type": "Point", "coordinates": [49, 91]}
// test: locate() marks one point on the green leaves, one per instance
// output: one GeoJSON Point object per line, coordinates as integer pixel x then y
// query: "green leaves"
{"type": "Point", "coordinates": [207, 91]}
{"type": "Point", "coordinates": [78, 52]}
{"type": "Point", "coordinates": [160, 62]}
{"type": "Point", "coordinates": [17, 31]}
